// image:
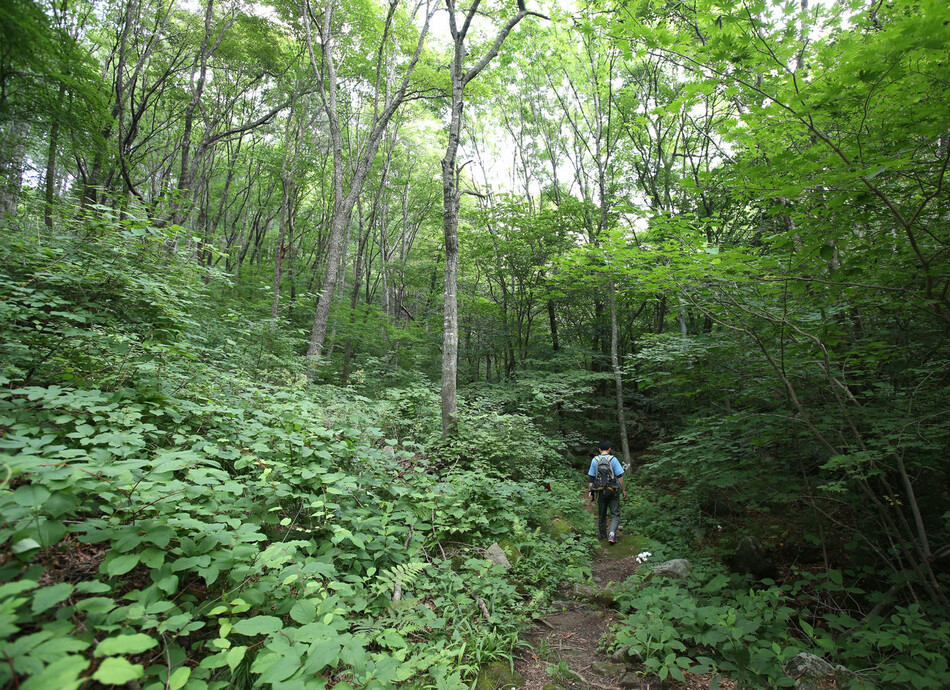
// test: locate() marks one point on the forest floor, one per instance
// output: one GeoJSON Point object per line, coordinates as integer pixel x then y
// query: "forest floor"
{"type": "Point", "coordinates": [565, 647]}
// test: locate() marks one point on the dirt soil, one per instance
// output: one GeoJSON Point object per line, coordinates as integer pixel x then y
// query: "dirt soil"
{"type": "Point", "coordinates": [569, 639]}
{"type": "Point", "coordinates": [566, 652]}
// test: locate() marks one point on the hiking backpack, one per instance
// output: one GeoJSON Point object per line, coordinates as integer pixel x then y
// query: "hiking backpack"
{"type": "Point", "coordinates": [604, 480]}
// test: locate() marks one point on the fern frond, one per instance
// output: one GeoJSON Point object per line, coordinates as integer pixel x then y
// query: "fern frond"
{"type": "Point", "coordinates": [399, 577]}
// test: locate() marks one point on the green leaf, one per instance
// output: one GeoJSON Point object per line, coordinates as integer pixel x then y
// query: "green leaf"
{"type": "Point", "coordinates": [304, 611]}
{"type": "Point", "coordinates": [10, 589]}
{"type": "Point", "coordinates": [31, 495]}
{"type": "Point", "coordinates": [120, 565]}
{"type": "Point", "coordinates": [322, 654]}
{"type": "Point", "coordinates": [125, 644]}
{"type": "Point", "coordinates": [258, 625]}
{"type": "Point", "coordinates": [62, 674]}
{"type": "Point", "coordinates": [286, 666]}
{"type": "Point", "coordinates": [93, 587]}
{"type": "Point", "coordinates": [169, 584]}
{"type": "Point", "coordinates": [179, 678]}
{"type": "Point", "coordinates": [50, 531]}
{"type": "Point", "coordinates": [153, 558]}
{"type": "Point", "coordinates": [48, 597]}
{"type": "Point", "coordinates": [24, 545]}
{"type": "Point", "coordinates": [235, 656]}
{"type": "Point", "coordinates": [117, 671]}
{"type": "Point", "coordinates": [96, 605]}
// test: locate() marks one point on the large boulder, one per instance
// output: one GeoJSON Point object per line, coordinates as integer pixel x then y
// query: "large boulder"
{"type": "Point", "coordinates": [608, 669]}
{"type": "Point", "coordinates": [495, 554]}
{"type": "Point", "coordinates": [498, 676]}
{"type": "Point", "coordinates": [677, 569]}
{"type": "Point", "coordinates": [601, 596]}
{"type": "Point", "coordinates": [557, 527]}
{"type": "Point", "coordinates": [751, 558]}
{"type": "Point", "coordinates": [811, 672]}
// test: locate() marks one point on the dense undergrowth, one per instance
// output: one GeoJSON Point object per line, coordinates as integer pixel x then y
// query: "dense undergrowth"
{"type": "Point", "coordinates": [171, 521]}
{"type": "Point", "coordinates": [185, 505]}
{"type": "Point", "coordinates": [747, 629]}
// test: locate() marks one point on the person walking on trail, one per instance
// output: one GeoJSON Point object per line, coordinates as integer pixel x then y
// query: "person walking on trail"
{"type": "Point", "coordinates": [603, 479]}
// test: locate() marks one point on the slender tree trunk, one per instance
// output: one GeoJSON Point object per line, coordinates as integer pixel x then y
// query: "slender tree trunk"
{"type": "Point", "coordinates": [50, 181]}
{"type": "Point", "coordinates": [385, 104]}
{"type": "Point", "coordinates": [361, 249]}
{"type": "Point", "coordinates": [450, 195]}
{"type": "Point", "coordinates": [618, 374]}
{"type": "Point", "coordinates": [287, 174]}
{"type": "Point", "coordinates": [12, 152]}
{"type": "Point", "coordinates": [450, 203]}
{"type": "Point", "coordinates": [681, 317]}
{"type": "Point", "coordinates": [552, 321]}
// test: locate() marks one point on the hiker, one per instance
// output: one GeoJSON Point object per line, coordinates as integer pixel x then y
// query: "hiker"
{"type": "Point", "coordinates": [603, 479]}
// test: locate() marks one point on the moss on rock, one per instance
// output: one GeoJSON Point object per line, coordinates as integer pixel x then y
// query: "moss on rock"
{"type": "Point", "coordinates": [629, 545]}
{"type": "Point", "coordinates": [557, 527]}
{"type": "Point", "coordinates": [498, 676]}
{"type": "Point", "coordinates": [512, 552]}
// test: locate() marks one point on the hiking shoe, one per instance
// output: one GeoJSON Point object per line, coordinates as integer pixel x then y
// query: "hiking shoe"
{"type": "Point", "coordinates": [611, 538]}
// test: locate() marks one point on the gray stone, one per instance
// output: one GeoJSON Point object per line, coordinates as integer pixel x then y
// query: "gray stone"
{"type": "Point", "coordinates": [607, 669]}
{"type": "Point", "coordinates": [497, 556]}
{"type": "Point", "coordinates": [498, 676]}
{"type": "Point", "coordinates": [621, 656]}
{"type": "Point", "coordinates": [652, 682]}
{"type": "Point", "coordinates": [811, 672]}
{"type": "Point", "coordinates": [585, 592]}
{"type": "Point", "coordinates": [603, 596]}
{"type": "Point", "coordinates": [631, 680]}
{"type": "Point", "coordinates": [562, 605]}
{"type": "Point", "coordinates": [677, 569]}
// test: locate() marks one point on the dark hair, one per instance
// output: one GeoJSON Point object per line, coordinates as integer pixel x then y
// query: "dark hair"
{"type": "Point", "coordinates": [604, 445]}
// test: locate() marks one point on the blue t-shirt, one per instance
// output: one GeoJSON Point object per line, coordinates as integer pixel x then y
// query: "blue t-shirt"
{"type": "Point", "coordinates": [614, 465]}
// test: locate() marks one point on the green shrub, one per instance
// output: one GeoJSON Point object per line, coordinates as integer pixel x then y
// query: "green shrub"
{"type": "Point", "coordinates": [742, 633]}
{"type": "Point", "coordinates": [749, 634]}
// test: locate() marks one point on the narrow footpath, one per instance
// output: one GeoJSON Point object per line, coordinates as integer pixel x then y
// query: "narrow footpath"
{"type": "Point", "coordinates": [566, 652]}
{"type": "Point", "coordinates": [565, 649]}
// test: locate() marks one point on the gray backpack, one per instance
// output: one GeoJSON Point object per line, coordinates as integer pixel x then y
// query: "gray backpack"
{"type": "Point", "coordinates": [604, 480]}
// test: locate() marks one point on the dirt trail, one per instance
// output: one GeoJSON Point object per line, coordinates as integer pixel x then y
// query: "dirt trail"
{"type": "Point", "coordinates": [565, 651]}
{"type": "Point", "coordinates": [567, 640]}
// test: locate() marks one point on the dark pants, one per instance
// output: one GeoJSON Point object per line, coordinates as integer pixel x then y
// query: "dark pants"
{"type": "Point", "coordinates": [608, 500]}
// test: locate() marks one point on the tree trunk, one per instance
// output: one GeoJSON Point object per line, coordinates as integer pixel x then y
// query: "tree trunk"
{"type": "Point", "coordinates": [450, 197]}
{"type": "Point", "coordinates": [287, 175]}
{"type": "Point", "coordinates": [361, 249]}
{"type": "Point", "coordinates": [12, 152]}
{"type": "Point", "coordinates": [618, 374]}
{"type": "Point", "coordinates": [326, 70]}
{"type": "Point", "coordinates": [186, 169]}
{"type": "Point", "coordinates": [552, 320]}
{"type": "Point", "coordinates": [50, 181]}
{"type": "Point", "coordinates": [450, 333]}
